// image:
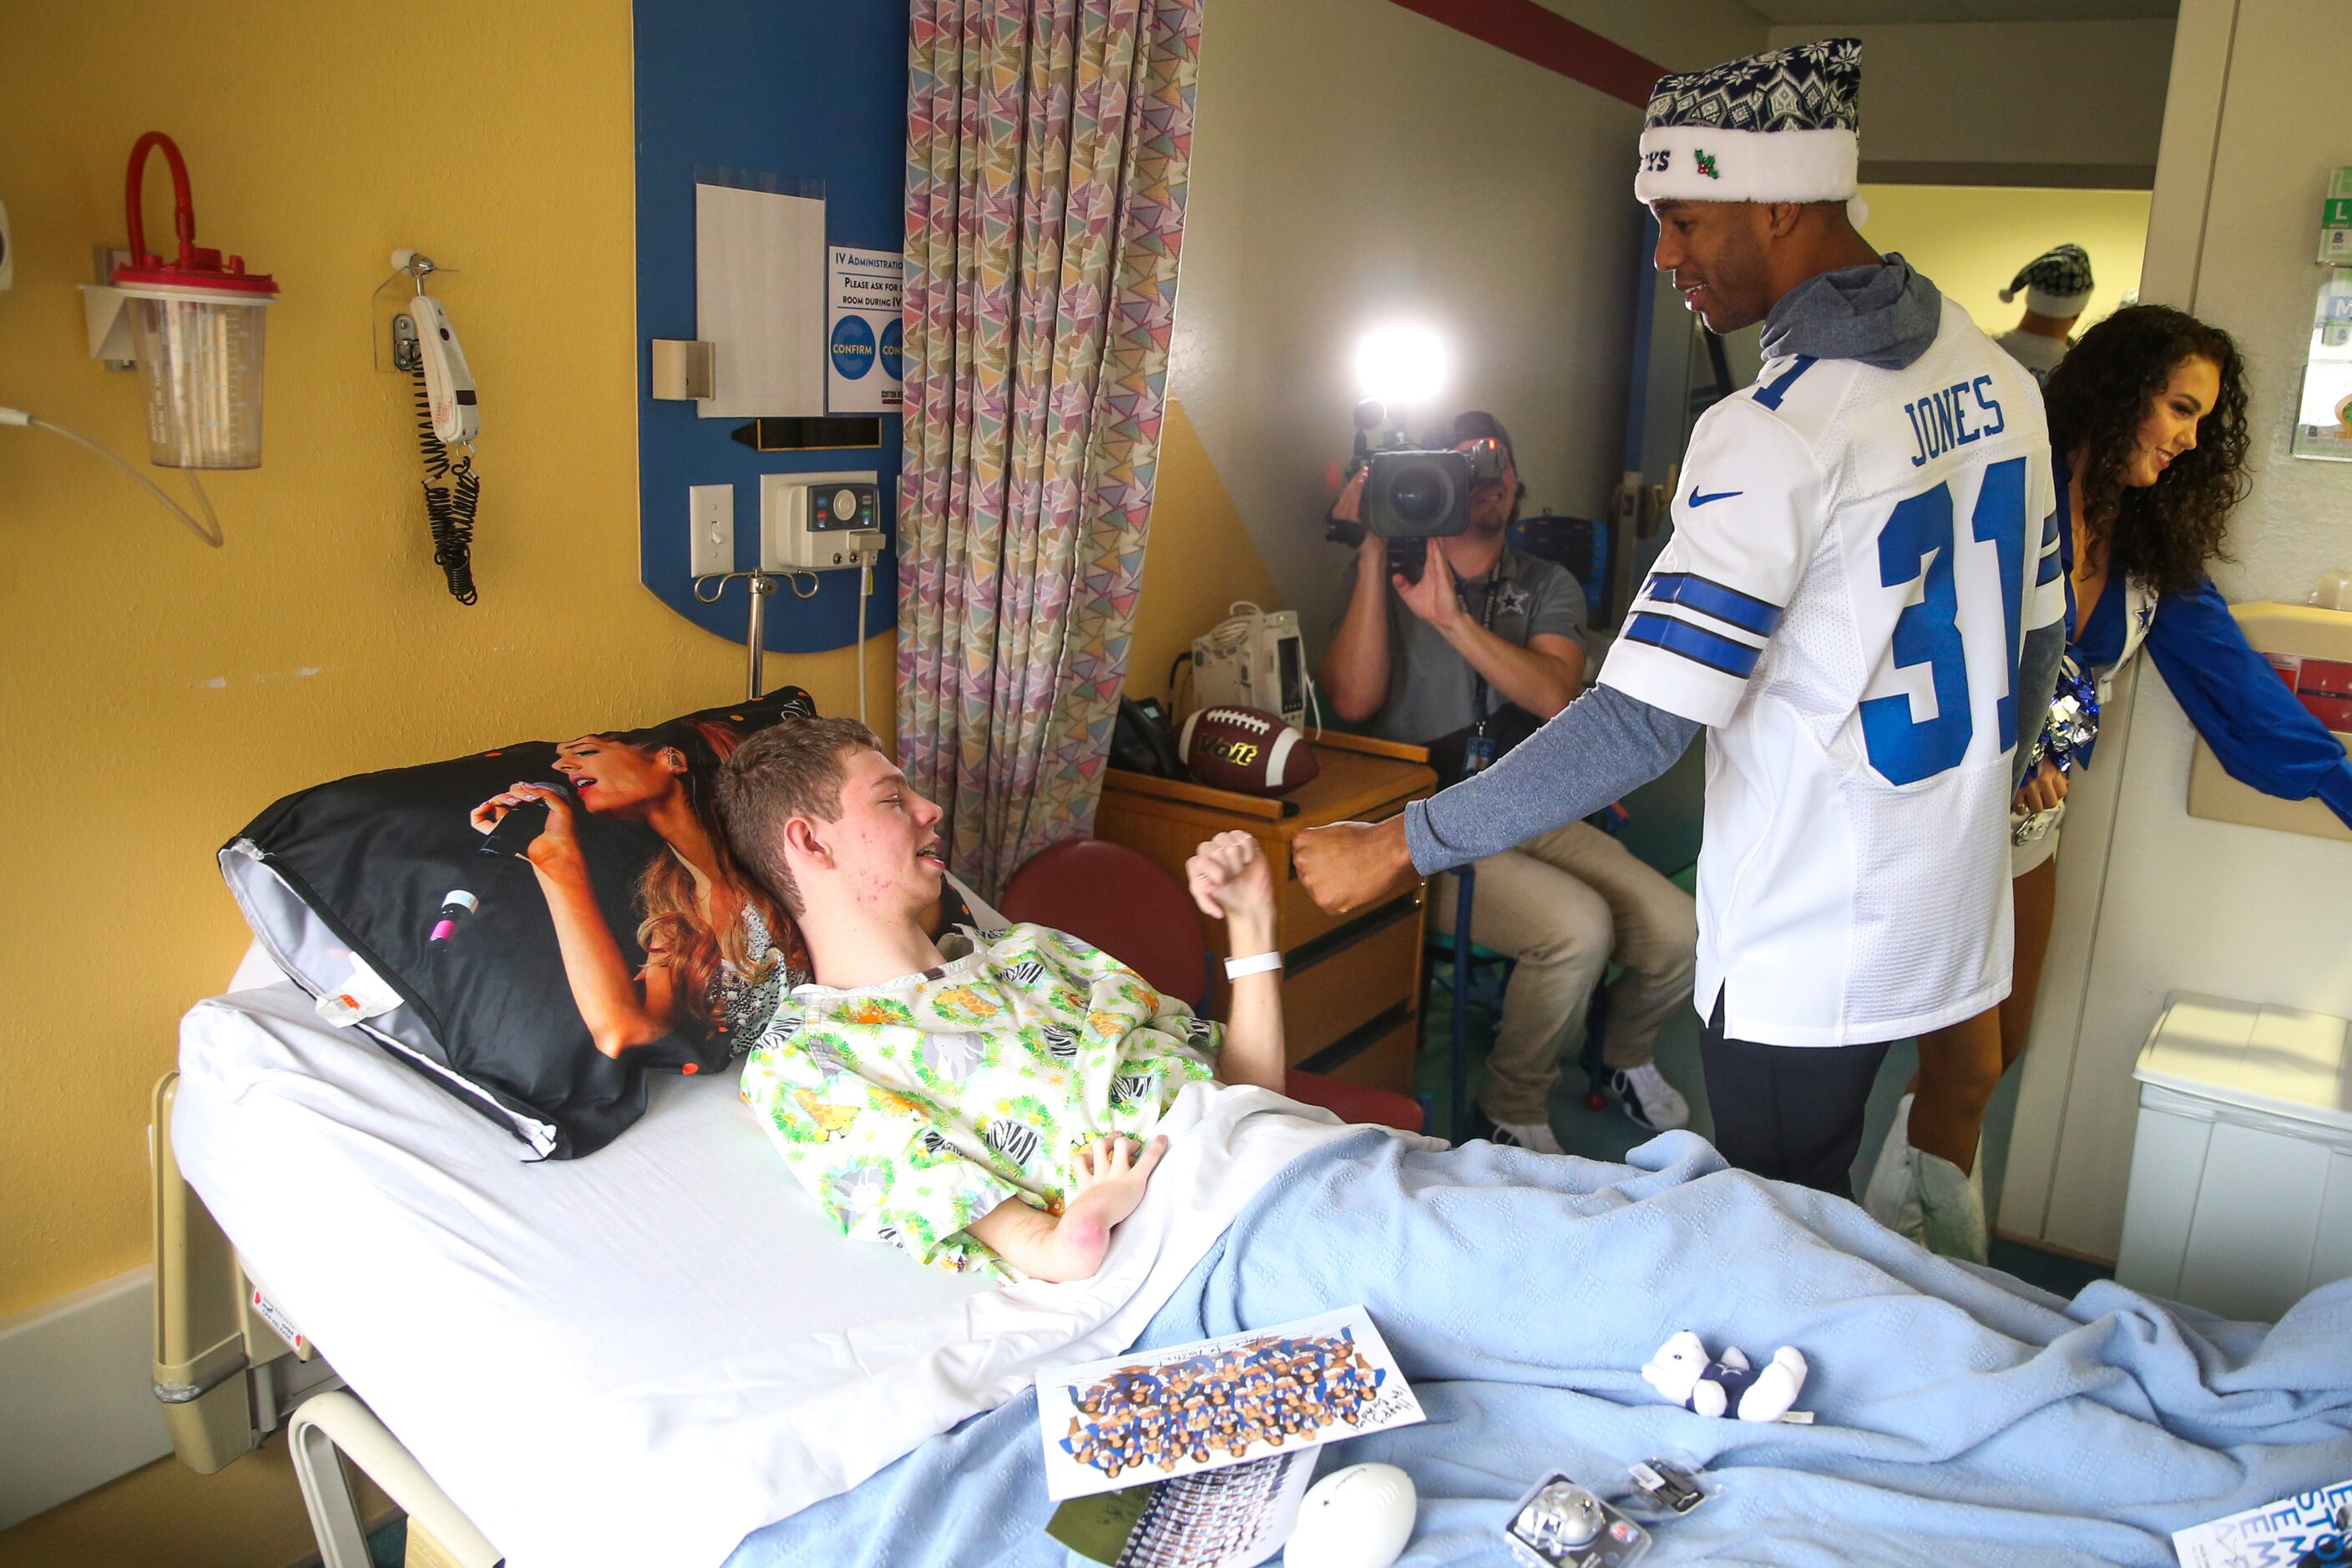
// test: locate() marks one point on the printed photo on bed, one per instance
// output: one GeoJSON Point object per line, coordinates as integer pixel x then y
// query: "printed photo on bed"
{"type": "Point", "coordinates": [1193, 1407]}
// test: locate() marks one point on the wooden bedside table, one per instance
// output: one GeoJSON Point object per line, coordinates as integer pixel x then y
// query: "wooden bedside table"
{"type": "Point", "coordinates": [1351, 984]}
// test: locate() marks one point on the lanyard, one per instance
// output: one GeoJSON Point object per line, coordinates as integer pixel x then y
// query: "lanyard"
{"type": "Point", "coordinates": [1497, 581]}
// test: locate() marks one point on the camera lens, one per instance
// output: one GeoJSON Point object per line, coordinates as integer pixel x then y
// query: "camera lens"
{"type": "Point", "coordinates": [1419, 495]}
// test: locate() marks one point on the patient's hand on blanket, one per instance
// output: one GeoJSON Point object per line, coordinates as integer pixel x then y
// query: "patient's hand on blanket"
{"type": "Point", "coordinates": [1107, 1182]}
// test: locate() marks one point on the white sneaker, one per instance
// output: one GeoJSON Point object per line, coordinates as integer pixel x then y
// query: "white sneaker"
{"type": "Point", "coordinates": [1892, 1198]}
{"type": "Point", "coordinates": [1952, 1207]}
{"type": "Point", "coordinates": [1650, 1100]}
{"type": "Point", "coordinates": [1536, 1136]}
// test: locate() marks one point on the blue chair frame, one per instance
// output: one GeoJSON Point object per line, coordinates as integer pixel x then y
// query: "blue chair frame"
{"type": "Point", "coordinates": [1467, 957]}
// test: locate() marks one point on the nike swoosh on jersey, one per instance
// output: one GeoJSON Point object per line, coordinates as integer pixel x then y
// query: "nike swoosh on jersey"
{"type": "Point", "coordinates": [1698, 500]}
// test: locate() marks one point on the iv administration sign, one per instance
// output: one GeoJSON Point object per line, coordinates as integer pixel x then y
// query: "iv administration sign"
{"type": "Point", "coordinates": [863, 362]}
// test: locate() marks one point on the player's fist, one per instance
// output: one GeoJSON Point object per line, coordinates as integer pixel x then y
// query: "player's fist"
{"type": "Point", "coordinates": [2042, 791]}
{"type": "Point", "coordinates": [1229, 878]}
{"type": "Point", "coordinates": [1351, 863]}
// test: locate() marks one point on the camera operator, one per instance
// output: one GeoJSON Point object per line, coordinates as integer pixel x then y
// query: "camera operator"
{"type": "Point", "coordinates": [1489, 630]}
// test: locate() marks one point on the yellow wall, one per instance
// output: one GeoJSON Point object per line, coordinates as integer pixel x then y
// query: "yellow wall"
{"type": "Point", "coordinates": [1972, 239]}
{"type": "Point", "coordinates": [159, 694]}
{"type": "Point", "coordinates": [1197, 560]}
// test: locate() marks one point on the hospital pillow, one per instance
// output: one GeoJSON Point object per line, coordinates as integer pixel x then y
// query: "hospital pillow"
{"type": "Point", "coordinates": [376, 895]}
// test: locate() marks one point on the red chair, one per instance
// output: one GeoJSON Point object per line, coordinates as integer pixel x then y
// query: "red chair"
{"type": "Point", "coordinates": [1113, 898]}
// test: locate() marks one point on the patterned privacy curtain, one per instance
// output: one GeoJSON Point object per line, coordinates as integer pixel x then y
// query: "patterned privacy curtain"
{"type": "Point", "coordinates": [1047, 148]}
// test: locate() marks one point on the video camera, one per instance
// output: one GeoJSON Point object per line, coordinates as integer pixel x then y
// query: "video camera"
{"type": "Point", "coordinates": [1411, 494]}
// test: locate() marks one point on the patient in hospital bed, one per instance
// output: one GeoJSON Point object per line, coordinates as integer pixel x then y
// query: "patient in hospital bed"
{"type": "Point", "coordinates": [669, 1318]}
{"type": "Point", "coordinates": [990, 1098]}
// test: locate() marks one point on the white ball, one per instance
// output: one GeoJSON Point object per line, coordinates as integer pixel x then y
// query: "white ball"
{"type": "Point", "coordinates": [1356, 1518]}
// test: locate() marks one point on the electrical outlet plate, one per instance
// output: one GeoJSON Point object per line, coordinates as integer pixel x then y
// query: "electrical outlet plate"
{"type": "Point", "coordinates": [711, 511]}
{"type": "Point", "coordinates": [819, 522]}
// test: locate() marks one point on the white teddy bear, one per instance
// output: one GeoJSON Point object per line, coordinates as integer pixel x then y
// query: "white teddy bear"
{"type": "Point", "coordinates": [1728, 1386]}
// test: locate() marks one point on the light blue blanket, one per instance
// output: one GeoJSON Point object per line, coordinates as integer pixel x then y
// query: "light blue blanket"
{"type": "Point", "coordinates": [1963, 1416]}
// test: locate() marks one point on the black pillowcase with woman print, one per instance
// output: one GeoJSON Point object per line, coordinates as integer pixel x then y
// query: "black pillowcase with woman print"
{"type": "Point", "coordinates": [608, 935]}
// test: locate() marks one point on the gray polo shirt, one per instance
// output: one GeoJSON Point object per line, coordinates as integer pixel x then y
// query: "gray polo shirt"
{"type": "Point", "coordinates": [1429, 685]}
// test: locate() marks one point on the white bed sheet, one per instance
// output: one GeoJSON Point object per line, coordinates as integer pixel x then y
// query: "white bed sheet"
{"type": "Point", "coordinates": [642, 1356]}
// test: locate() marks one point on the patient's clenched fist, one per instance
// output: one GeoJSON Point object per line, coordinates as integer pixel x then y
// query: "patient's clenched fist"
{"type": "Point", "coordinates": [1229, 878]}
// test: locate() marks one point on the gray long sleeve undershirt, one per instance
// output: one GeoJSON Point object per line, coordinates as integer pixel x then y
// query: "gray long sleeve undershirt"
{"type": "Point", "coordinates": [1596, 748]}
{"type": "Point", "coordinates": [1603, 746]}
{"type": "Point", "coordinates": [2037, 673]}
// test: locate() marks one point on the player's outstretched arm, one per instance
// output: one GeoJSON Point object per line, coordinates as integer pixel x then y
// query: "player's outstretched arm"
{"type": "Point", "coordinates": [1600, 746]}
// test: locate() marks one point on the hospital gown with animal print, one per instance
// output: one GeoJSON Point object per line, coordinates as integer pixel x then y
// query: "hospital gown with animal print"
{"type": "Point", "coordinates": [914, 1107]}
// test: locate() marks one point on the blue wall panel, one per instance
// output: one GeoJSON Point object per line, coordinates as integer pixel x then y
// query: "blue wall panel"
{"type": "Point", "coordinates": [802, 89]}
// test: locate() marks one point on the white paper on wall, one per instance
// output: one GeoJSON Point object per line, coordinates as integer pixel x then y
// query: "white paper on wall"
{"type": "Point", "coordinates": [759, 297]}
{"type": "Point", "coordinates": [863, 343]}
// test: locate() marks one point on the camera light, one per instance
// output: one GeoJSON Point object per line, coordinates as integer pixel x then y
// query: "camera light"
{"type": "Point", "coordinates": [1403, 366]}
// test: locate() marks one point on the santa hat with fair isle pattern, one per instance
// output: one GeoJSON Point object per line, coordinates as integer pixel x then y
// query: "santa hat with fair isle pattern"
{"type": "Point", "coordinates": [1781, 126]}
{"type": "Point", "coordinates": [2057, 282]}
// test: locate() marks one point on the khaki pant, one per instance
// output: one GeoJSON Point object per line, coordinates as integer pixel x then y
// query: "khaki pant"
{"type": "Point", "coordinates": [1563, 904]}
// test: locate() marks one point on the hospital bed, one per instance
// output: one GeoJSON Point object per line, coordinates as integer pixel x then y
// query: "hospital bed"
{"type": "Point", "coordinates": [666, 1353]}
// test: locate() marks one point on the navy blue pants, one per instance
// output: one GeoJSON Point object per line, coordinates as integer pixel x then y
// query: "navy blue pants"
{"type": "Point", "coordinates": [1790, 1112]}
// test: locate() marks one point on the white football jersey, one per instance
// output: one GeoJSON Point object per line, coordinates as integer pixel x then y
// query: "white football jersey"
{"type": "Point", "coordinates": [1856, 556]}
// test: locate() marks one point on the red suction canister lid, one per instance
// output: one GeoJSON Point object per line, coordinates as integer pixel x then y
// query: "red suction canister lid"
{"type": "Point", "coordinates": [196, 268]}
{"type": "Point", "coordinates": [231, 279]}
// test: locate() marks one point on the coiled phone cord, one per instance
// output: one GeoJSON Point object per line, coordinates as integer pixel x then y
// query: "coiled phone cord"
{"type": "Point", "coordinates": [448, 509]}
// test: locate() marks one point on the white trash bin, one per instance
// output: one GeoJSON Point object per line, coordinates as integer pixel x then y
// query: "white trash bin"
{"type": "Point", "coordinates": [2241, 1197]}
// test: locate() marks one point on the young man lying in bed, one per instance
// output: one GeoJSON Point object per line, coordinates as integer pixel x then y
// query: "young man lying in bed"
{"type": "Point", "coordinates": [991, 1096]}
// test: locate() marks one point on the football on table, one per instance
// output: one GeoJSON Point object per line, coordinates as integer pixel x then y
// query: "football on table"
{"type": "Point", "coordinates": [1244, 749]}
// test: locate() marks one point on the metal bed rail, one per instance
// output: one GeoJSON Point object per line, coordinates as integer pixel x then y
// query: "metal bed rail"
{"type": "Point", "coordinates": [230, 1368]}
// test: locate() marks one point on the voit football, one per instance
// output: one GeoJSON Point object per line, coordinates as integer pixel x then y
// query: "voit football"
{"type": "Point", "coordinates": [1242, 748]}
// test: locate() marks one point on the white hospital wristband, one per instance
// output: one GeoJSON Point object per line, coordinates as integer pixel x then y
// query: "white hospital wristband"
{"type": "Point", "coordinates": [1257, 964]}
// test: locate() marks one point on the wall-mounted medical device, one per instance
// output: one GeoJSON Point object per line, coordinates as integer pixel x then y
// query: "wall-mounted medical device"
{"type": "Point", "coordinates": [451, 399]}
{"type": "Point", "coordinates": [424, 346]}
{"type": "Point", "coordinates": [819, 523]}
{"type": "Point", "coordinates": [192, 326]}
{"type": "Point", "coordinates": [808, 523]}
{"type": "Point", "coordinates": [195, 326]}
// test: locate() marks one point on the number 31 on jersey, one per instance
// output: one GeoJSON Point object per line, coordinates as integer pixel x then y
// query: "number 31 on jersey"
{"type": "Point", "coordinates": [1919, 541]}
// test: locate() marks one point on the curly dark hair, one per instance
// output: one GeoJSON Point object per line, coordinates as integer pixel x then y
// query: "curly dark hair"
{"type": "Point", "coordinates": [2165, 533]}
